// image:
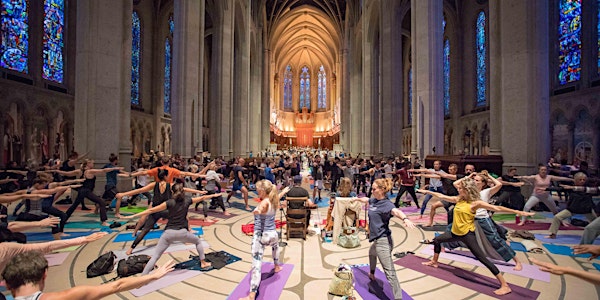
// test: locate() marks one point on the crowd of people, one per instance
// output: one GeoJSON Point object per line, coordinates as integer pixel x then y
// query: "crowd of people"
{"type": "Point", "coordinates": [469, 197]}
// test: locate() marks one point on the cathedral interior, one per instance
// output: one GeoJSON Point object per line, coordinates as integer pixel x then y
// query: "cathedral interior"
{"type": "Point", "coordinates": [513, 79]}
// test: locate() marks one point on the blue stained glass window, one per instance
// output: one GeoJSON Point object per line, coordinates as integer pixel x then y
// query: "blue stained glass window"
{"type": "Point", "coordinates": [171, 25]}
{"type": "Point", "coordinates": [598, 32]}
{"type": "Point", "coordinates": [54, 25]}
{"type": "Point", "coordinates": [322, 89]}
{"type": "Point", "coordinates": [15, 35]}
{"type": "Point", "coordinates": [410, 96]}
{"type": "Point", "coordinates": [287, 88]}
{"type": "Point", "coordinates": [481, 60]}
{"type": "Point", "coordinates": [135, 59]}
{"type": "Point", "coordinates": [305, 88]}
{"type": "Point", "coordinates": [446, 77]}
{"type": "Point", "coordinates": [167, 82]}
{"type": "Point", "coordinates": [569, 41]}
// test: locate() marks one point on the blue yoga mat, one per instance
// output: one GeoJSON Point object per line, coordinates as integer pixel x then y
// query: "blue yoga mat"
{"type": "Point", "coordinates": [563, 250]}
{"type": "Point", "coordinates": [323, 202]}
{"type": "Point", "coordinates": [126, 237]}
{"type": "Point", "coordinates": [518, 246]}
{"type": "Point", "coordinates": [85, 225]}
{"type": "Point", "coordinates": [597, 266]}
{"type": "Point", "coordinates": [241, 206]}
{"type": "Point", "coordinates": [47, 236]}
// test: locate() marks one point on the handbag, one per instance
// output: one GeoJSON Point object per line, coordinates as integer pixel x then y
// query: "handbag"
{"type": "Point", "coordinates": [349, 238]}
{"type": "Point", "coordinates": [341, 283]}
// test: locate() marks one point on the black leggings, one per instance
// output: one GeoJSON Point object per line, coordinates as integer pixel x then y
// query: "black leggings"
{"type": "Point", "coordinates": [148, 225]}
{"type": "Point", "coordinates": [411, 192]}
{"type": "Point", "coordinates": [51, 210]}
{"type": "Point", "coordinates": [468, 239]}
{"type": "Point", "coordinates": [86, 193]}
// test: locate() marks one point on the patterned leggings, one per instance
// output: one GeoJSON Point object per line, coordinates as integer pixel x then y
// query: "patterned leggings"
{"type": "Point", "coordinates": [259, 241]}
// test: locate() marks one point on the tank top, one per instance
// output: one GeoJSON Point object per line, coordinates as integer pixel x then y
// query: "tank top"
{"type": "Point", "coordinates": [265, 222]}
{"type": "Point", "coordinates": [159, 197]}
{"type": "Point", "coordinates": [178, 214]}
{"type": "Point", "coordinates": [65, 167]}
{"type": "Point", "coordinates": [35, 296]}
{"type": "Point", "coordinates": [540, 184]}
{"type": "Point", "coordinates": [89, 184]}
{"type": "Point", "coordinates": [463, 218]}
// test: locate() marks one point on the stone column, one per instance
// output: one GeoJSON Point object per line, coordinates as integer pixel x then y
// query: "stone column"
{"type": "Point", "coordinates": [266, 94]}
{"type": "Point", "coordinates": [256, 110]}
{"type": "Point", "coordinates": [344, 99]}
{"type": "Point", "coordinates": [520, 35]}
{"type": "Point", "coordinates": [103, 68]}
{"type": "Point", "coordinates": [186, 43]}
{"type": "Point", "coordinates": [370, 102]}
{"type": "Point", "coordinates": [198, 118]}
{"type": "Point", "coordinates": [426, 39]}
{"type": "Point", "coordinates": [241, 82]}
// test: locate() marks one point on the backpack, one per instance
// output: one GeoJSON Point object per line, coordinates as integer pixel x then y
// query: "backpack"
{"type": "Point", "coordinates": [104, 264]}
{"type": "Point", "coordinates": [132, 265]}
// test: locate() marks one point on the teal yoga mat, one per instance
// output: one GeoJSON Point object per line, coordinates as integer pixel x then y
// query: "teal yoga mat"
{"type": "Point", "coordinates": [127, 237]}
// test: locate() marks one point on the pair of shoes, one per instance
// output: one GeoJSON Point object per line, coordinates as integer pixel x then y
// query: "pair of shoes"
{"type": "Point", "coordinates": [402, 254]}
{"type": "Point", "coordinates": [115, 224]}
{"type": "Point", "coordinates": [86, 208]}
{"type": "Point", "coordinates": [426, 242]}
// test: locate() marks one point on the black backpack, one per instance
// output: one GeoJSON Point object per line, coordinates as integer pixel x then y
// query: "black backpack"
{"type": "Point", "coordinates": [104, 264]}
{"type": "Point", "coordinates": [132, 265]}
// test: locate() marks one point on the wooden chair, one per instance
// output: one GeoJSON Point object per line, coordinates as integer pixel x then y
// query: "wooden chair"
{"type": "Point", "coordinates": [296, 207]}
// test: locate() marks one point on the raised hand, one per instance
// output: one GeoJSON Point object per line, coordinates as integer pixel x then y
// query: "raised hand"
{"type": "Point", "coordinates": [594, 250]}
{"type": "Point", "coordinates": [549, 267]}
{"type": "Point", "coordinates": [164, 269]}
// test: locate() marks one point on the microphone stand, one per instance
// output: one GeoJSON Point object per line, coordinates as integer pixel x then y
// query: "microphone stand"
{"type": "Point", "coordinates": [282, 243]}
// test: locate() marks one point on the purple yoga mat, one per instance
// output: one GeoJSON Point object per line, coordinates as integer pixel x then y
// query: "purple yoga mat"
{"type": "Point", "coordinates": [479, 283]}
{"type": "Point", "coordinates": [56, 259]}
{"type": "Point", "coordinates": [169, 279]}
{"type": "Point", "coordinates": [528, 271]}
{"type": "Point", "coordinates": [409, 209]}
{"type": "Point", "coordinates": [378, 289]}
{"type": "Point", "coordinates": [537, 226]}
{"type": "Point", "coordinates": [563, 239]}
{"type": "Point", "coordinates": [271, 284]}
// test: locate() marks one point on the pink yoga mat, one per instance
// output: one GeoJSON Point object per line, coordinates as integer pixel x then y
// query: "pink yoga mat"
{"type": "Point", "coordinates": [56, 259]}
{"type": "Point", "coordinates": [271, 284]}
{"type": "Point", "coordinates": [528, 271]}
{"type": "Point", "coordinates": [537, 226]}
{"type": "Point", "coordinates": [439, 218]}
{"type": "Point", "coordinates": [380, 289]}
{"type": "Point", "coordinates": [476, 282]}
{"type": "Point", "coordinates": [409, 209]}
{"type": "Point", "coordinates": [167, 280]}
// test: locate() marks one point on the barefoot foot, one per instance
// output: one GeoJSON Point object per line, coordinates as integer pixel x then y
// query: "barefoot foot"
{"type": "Point", "coordinates": [551, 236]}
{"type": "Point", "coordinates": [522, 223]}
{"type": "Point", "coordinates": [205, 264]}
{"type": "Point", "coordinates": [226, 213]}
{"type": "Point", "coordinates": [503, 290]}
{"type": "Point", "coordinates": [372, 276]}
{"type": "Point", "coordinates": [431, 263]}
{"type": "Point", "coordinates": [248, 207]}
{"type": "Point", "coordinates": [277, 268]}
{"type": "Point", "coordinates": [518, 267]}
{"type": "Point", "coordinates": [129, 251]}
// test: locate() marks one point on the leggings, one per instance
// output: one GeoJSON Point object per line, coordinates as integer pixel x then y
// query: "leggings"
{"type": "Point", "coordinates": [471, 242]}
{"type": "Point", "coordinates": [169, 237]}
{"type": "Point", "coordinates": [410, 190]}
{"type": "Point", "coordinates": [382, 248]}
{"type": "Point", "coordinates": [51, 210]}
{"type": "Point", "coordinates": [86, 193]}
{"type": "Point", "coordinates": [28, 217]}
{"type": "Point", "coordinates": [148, 225]}
{"type": "Point", "coordinates": [259, 241]}
{"type": "Point", "coordinates": [535, 199]}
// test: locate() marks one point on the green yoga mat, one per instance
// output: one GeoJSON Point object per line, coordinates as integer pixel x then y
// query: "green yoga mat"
{"type": "Point", "coordinates": [133, 209]}
{"type": "Point", "coordinates": [84, 224]}
{"type": "Point", "coordinates": [124, 211]}
{"type": "Point", "coordinates": [510, 217]}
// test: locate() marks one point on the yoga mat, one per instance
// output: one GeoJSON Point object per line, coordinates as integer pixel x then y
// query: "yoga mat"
{"type": "Point", "coordinates": [241, 206]}
{"type": "Point", "coordinates": [194, 222]}
{"type": "Point", "coordinates": [537, 226]}
{"type": "Point", "coordinates": [56, 259]}
{"type": "Point", "coordinates": [518, 246]}
{"type": "Point", "coordinates": [438, 218]}
{"type": "Point", "coordinates": [85, 225]}
{"type": "Point", "coordinates": [511, 217]}
{"type": "Point", "coordinates": [133, 209]}
{"type": "Point", "coordinates": [410, 209]}
{"type": "Point", "coordinates": [564, 250]}
{"type": "Point", "coordinates": [149, 250]}
{"type": "Point", "coordinates": [169, 279]}
{"type": "Point", "coordinates": [47, 236]}
{"type": "Point", "coordinates": [271, 284]}
{"type": "Point", "coordinates": [476, 282]}
{"type": "Point", "coordinates": [217, 213]}
{"type": "Point", "coordinates": [377, 289]}
{"type": "Point", "coordinates": [597, 266]}
{"type": "Point", "coordinates": [433, 228]}
{"type": "Point", "coordinates": [528, 271]}
{"type": "Point", "coordinates": [323, 202]}
{"type": "Point", "coordinates": [126, 237]}
{"type": "Point", "coordinates": [194, 262]}
{"type": "Point", "coordinates": [565, 239]}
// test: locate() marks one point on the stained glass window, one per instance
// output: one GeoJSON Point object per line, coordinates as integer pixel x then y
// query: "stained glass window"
{"type": "Point", "coordinates": [171, 25]}
{"type": "Point", "coordinates": [135, 59]}
{"type": "Point", "coordinates": [410, 96]}
{"type": "Point", "coordinates": [167, 83]}
{"type": "Point", "coordinates": [481, 60]}
{"type": "Point", "coordinates": [15, 35]}
{"type": "Point", "coordinates": [54, 25]}
{"type": "Point", "coordinates": [305, 88]}
{"type": "Point", "coordinates": [287, 88]}
{"type": "Point", "coordinates": [446, 77]}
{"type": "Point", "coordinates": [598, 32]}
{"type": "Point", "coordinates": [322, 89]}
{"type": "Point", "coordinates": [569, 41]}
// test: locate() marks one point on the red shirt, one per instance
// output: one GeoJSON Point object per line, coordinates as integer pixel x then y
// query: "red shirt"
{"type": "Point", "coordinates": [173, 173]}
{"type": "Point", "coordinates": [406, 178]}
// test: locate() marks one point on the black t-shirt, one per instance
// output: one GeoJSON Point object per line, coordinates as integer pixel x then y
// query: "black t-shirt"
{"type": "Point", "coordinates": [178, 214]}
{"type": "Point", "coordinates": [380, 213]}
{"type": "Point", "coordinates": [580, 203]}
{"type": "Point", "coordinates": [237, 171]}
{"type": "Point", "coordinates": [297, 191]}
{"type": "Point", "coordinates": [448, 187]}
{"type": "Point", "coordinates": [510, 188]}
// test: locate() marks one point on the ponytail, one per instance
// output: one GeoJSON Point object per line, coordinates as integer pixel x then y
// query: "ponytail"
{"type": "Point", "coordinates": [178, 194]}
{"type": "Point", "coordinates": [271, 190]}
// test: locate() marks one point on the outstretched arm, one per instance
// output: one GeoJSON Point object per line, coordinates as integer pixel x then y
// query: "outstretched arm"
{"type": "Point", "coordinates": [482, 204]}
{"type": "Point", "coordinates": [141, 190]}
{"type": "Point", "coordinates": [149, 211]}
{"type": "Point", "coordinates": [594, 278]}
{"type": "Point", "coordinates": [400, 214]}
{"type": "Point", "coordinates": [18, 226]}
{"type": "Point", "coordinates": [452, 199]}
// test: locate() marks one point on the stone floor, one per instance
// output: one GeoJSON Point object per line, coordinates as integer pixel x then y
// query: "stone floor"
{"type": "Point", "coordinates": [313, 264]}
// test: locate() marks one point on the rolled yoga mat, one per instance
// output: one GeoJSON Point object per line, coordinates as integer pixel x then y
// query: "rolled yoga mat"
{"type": "Point", "coordinates": [378, 289]}
{"type": "Point", "coordinates": [476, 282]}
{"type": "Point", "coordinates": [271, 284]}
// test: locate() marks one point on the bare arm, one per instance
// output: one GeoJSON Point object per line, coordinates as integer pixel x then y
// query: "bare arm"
{"type": "Point", "coordinates": [141, 190]}
{"type": "Point", "coordinates": [594, 278]}
{"type": "Point", "coordinates": [19, 226]}
{"type": "Point", "coordinates": [559, 178]}
{"type": "Point", "coordinates": [201, 198]}
{"type": "Point", "coordinates": [497, 185]}
{"type": "Point", "coordinates": [149, 211]}
{"type": "Point", "coordinates": [17, 197]}
{"type": "Point", "coordinates": [515, 184]}
{"type": "Point", "coordinates": [452, 199]}
{"type": "Point", "coordinates": [103, 171]}
{"type": "Point", "coordinates": [400, 214]}
{"type": "Point", "coordinates": [482, 204]}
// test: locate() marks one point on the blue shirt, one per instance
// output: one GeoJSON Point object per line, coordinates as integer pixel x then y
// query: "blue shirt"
{"type": "Point", "coordinates": [380, 213]}
{"type": "Point", "coordinates": [269, 175]}
{"type": "Point", "coordinates": [111, 177]}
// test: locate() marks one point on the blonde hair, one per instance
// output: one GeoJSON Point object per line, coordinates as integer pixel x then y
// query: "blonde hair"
{"type": "Point", "coordinates": [471, 190]}
{"type": "Point", "coordinates": [345, 187]}
{"type": "Point", "coordinates": [385, 184]}
{"type": "Point", "coordinates": [271, 190]}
